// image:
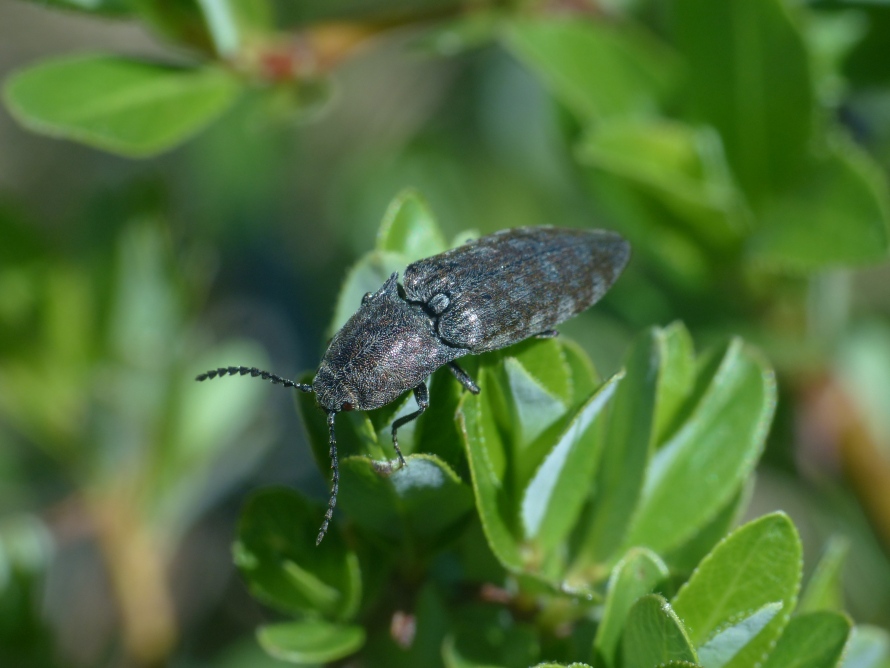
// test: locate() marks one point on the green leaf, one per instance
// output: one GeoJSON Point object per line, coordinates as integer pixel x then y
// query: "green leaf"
{"type": "Point", "coordinates": [410, 229]}
{"type": "Point", "coordinates": [705, 462]}
{"type": "Point", "coordinates": [869, 647]}
{"type": "Point", "coordinates": [597, 70]}
{"type": "Point", "coordinates": [686, 557]}
{"type": "Point", "coordinates": [133, 108]}
{"type": "Point", "coordinates": [635, 575]}
{"type": "Point", "coordinates": [764, 113]}
{"type": "Point", "coordinates": [653, 635]}
{"type": "Point", "coordinates": [584, 378]}
{"type": "Point", "coordinates": [487, 457]}
{"type": "Point", "coordinates": [311, 641]}
{"type": "Point", "coordinates": [726, 644]}
{"type": "Point", "coordinates": [546, 361]}
{"type": "Point", "coordinates": [627, 446]}
{"type": "Point", "coordinates": [277, 555]}
{"type": "Point", "coordinates": [682, 168]}
{"type": "Point", "coordinates": [813, 640]}
{"type": "Point", "coordinates": [416, 506]}
{"type": "Point", "coordinates": [533, 408]}
{"type": "Point", "coordinates": [553, 498]}
{"type": "Point", "coordinates": [757, 565]}
{"type": "Point", "coordinates": [837, 215]}
{"type": "Point", "coordinates": [824, 591]}
{"type": "Point", "coordinates": [676, 379]}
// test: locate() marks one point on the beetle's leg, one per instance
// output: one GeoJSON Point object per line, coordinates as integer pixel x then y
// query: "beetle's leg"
{"type": "Point", "coordinates": [464, 378]}
{"type": "Point", "coordinates": [422, 397]}
{"type": "Point", "coordinates": [547, 334]}
{"type": "Point", "coordinates": [335, 479]}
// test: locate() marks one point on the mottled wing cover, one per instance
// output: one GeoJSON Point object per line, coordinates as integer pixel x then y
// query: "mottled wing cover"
{"type": "Point", "coordinates": [514, 284]}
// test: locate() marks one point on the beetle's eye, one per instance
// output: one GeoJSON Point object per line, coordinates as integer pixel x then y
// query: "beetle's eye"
{"type": "Point", "coordinates": [347, 406]}
{"type": "Point", "coordinates": [367, 298]}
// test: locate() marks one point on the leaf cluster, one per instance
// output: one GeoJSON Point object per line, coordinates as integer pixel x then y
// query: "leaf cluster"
{"type": "Point", "coordinates": [555, 516]}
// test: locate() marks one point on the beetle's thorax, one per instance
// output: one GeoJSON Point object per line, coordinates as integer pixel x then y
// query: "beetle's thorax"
{"type": "Point", "coordinates": [386, 348]}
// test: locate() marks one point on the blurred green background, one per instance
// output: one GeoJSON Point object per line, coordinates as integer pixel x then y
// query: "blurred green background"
{"type": "Point", "coordinates": [742, 147]}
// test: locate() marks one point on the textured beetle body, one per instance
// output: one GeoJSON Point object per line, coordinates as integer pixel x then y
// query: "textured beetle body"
{"type": "Point", "coordinates": [485, 295]}
{"type": "Point", "coordinates": [506, 287]}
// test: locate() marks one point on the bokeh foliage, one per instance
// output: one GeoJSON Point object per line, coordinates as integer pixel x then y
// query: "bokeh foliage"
{"type": "Point", "coordinates": [560, 515]}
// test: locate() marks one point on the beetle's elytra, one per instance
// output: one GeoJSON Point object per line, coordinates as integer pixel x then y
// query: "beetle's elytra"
{"type": "Point", "coordinates": [487, 294]}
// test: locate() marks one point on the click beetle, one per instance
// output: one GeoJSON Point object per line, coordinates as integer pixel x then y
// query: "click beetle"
{"type": "Point", "coordinates": [488, 294]}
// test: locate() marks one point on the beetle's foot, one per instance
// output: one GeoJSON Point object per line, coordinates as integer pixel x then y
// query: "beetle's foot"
{"type": "Point", "coordinates": [385, 468]}
{"type": "Point", "coordinates": [547, 334]}
{"type": "Point", "coordinates": [402, 461]}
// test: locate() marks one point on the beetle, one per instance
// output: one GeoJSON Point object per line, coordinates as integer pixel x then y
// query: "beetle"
{"type": "Point", "coordinates": [488, 294]}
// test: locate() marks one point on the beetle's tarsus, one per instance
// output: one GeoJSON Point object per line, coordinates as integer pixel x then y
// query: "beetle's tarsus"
{"type": "Point", "coordinates": [335, 480]}
{"type": "Point", "coordinates": [547, 334]}
{"type": "Point", "coordinates": [463, 378]}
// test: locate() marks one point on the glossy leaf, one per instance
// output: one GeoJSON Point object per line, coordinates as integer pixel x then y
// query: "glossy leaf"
{"type": "Point", "coordinates": [410, 507]}
{"type": "Point", "coordinates": [546, 361]}
{"type": "Point", "coordinates": [410, 229]}
{"type": "Point", "coordinates": [627, 447]}
{"type": "Point", "coordinates": [764, 113]}
{"type": "Point", "coordinates": [869, 647]}
{"type": "Point", "coordinates": [710, 456]}
{"type": "Point", "coordinates": [653, 635]}
{"type": "Point", "coordinates": [813, 640]}
{"type": "Point", "coordinates": [134, 108]}
{"type": "Point", "coordinates": [310, 642]}
{"type": "Point", "coordinates": [634, 576]}
{"type": "Point", "coordinates": [553, 498]}
{"type": "Point", "coordinates": [277, 555]}
{"type": "Point", "coordinates": [728, 642]}
{"type": "Point", "coordinates": [533, 407]}
{"type": "Point", "coordinates": [598, 71]}
{"type": "Point", "coordinates": [756, 566]}
{"type": "Point", "coordinates": [838, 215]}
